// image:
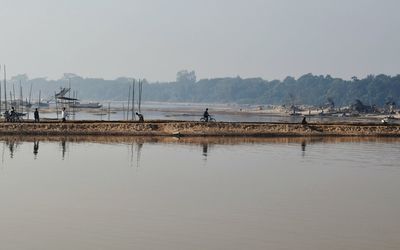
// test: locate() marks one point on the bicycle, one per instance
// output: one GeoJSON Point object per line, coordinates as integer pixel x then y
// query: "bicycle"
{"type": "Point", "coordinates": [13, 117]}
{"type": "Point", "coordinates": [210, 119]}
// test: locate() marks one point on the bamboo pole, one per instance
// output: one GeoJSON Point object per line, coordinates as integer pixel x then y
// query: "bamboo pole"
{"type": "Point", "coordinates": [30, 94]}
{"type": "Point", "coordinates": [109, 111]}
{"type": "Point", "coordinates": [5, 88]}
{"type": "Point", "coordinates": [0, 91]}
{"type": "Point", "coordinates": [133, 99]}
{"type": "Point", "coordinates": [55, 96]}
{"type": "Point", "coordinates": [13, 96]}
{"type": "Point", "coordinates": [27, 108]}
{"type": "Point", "coordinates": [123, 111]}
{"type": "Point", "coordinates": [129, 100]}
{"type": "Point", "coordinates": [69, 94]}
{"type": "Point", "coordinates": [21, 99]}
{"type": "Point", "coordinates": [140, 95]}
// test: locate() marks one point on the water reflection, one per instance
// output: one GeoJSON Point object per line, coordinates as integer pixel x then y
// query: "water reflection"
{"type": "Point", "coordinates": [205, 150]}
{"type": "Point", "coordinates": [63, 148]}
{"type": "Point", "coordinates": [171, 195]}
{"type": "Point", "coordinates": [12, 145]}
{"type": "Point", "coordinates": [11, 148]}
{"type": "Point", "coordinates": [303, 148]}
{"type": "Point", "coordinates": [35, 149]}
{"type": "Point", "coordinates": [138, 150]}
{"type": "Point", "coordinates": [136, 144]}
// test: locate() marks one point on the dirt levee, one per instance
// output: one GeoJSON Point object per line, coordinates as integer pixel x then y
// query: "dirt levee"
{"type": "Point", "coordinates": [186, 128]}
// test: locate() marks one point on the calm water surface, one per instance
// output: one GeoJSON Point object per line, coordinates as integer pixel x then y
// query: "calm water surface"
{"type": "Point", "coordinates": [138, 193]}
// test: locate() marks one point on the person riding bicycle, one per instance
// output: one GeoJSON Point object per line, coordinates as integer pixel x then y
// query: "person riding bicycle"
{"type": "Point", "coordinates": [206, 115]}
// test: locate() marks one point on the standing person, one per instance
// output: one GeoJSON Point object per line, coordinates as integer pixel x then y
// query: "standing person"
{"type": "Point", "coordinates": [13, 115]}
{"type": "Point", "coordinates": [36, 115]}
{"type": "Point", "coordinates": [206, 115]}
{"type": "Point", "coordinates": [64, 115]}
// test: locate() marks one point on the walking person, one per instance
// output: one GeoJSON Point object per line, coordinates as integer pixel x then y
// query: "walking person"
{"type": "Point", "coordinates": [36, 115]}
{"type": "Point", "coordinates": [64, 115]}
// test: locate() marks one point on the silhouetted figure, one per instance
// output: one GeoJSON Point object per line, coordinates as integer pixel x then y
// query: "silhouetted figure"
{"type": "Point", "coordinates": [304, 121]}
{"type": "Point", "coordinates": [36, 115]}
{"type": "Point", "coordinates": [10, 115]}
{"type": "Point", "coordinates": [141, 119]}
{"type": "Point", "coordinates": [7, 116]}
{"type": "Point", "coordinates": [206, 115]}
{"type": "Point", "coordinates": [35, 148]}
{"type": "Point", "coordinates": [64, 115]}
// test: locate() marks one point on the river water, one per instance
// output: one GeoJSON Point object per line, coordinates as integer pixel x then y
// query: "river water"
{"type": "Point", "coordinates": [212, 193]}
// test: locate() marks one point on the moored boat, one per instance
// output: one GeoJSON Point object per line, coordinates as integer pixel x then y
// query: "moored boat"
{"type": "Point", "coordinates": [389, 120]}
{"type": "Point", "coordinates": [89, 105]}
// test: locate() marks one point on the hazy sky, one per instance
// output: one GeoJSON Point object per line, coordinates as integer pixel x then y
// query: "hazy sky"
{"type": "Point", "coordinates": [154, 39]}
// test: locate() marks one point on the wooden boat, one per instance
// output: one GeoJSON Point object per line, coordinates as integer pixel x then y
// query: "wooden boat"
{"type": "Point", "coordinates": [89, 105]}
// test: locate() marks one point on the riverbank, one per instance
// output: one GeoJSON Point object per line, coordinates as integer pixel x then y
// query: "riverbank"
{"type": "Point", "coordinates": [188, 128]}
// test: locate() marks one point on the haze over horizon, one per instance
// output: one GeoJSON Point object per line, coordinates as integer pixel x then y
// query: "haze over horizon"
{"type": "Point", "coordinates": [155, 39]}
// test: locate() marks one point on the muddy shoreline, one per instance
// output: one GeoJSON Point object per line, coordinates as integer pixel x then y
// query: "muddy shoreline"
{"type": "Point", "coordinates": [197, 129]}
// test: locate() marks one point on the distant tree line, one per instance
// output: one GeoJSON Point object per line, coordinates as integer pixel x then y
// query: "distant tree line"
{"type": "Point", "coordinates": [309, 89]}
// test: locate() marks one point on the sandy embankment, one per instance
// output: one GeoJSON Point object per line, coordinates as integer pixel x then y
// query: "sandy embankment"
{"type": "Point", "coordinates": [184, 128]}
